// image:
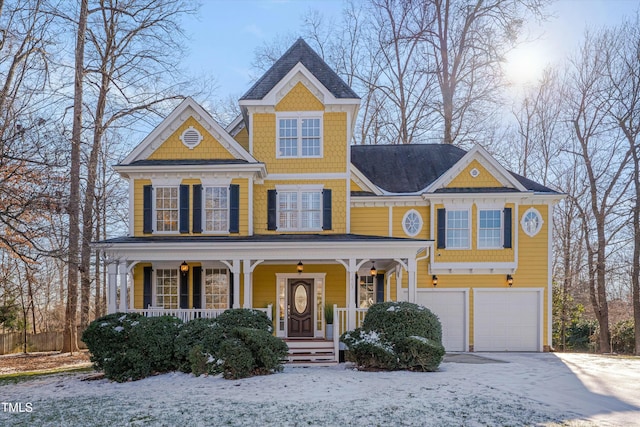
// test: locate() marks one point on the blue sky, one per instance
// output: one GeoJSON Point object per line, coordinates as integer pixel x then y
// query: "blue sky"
{"type": "Point", "coordinates": [226, 33]}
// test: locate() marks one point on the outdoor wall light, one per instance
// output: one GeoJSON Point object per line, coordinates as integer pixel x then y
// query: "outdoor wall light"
{"type": "Point", "coordinates": [434, 280]}
{"type": "Point", "coordinates": [184, 268]}
{"type": "Point", "coordinates": [373, 269]}
{"type": "Point", "coordinates": [300, 267]}
{"type": "Point", "coordinates": [509, 280]}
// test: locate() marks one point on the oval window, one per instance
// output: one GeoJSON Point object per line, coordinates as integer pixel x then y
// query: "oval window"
{"type": "Point", "coordinates": [531, 222]}
{"type": "Point", "coordinates": [300, 296]}
{"type": "Point", "coordinates": [412, 223]}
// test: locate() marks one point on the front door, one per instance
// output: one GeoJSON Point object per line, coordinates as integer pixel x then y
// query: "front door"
{"type": "Point", "coordinates": [300, 308]}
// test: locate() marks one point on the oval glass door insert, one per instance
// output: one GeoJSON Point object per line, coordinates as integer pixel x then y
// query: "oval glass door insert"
{"type": "Point", "coordinates": [300, 296]}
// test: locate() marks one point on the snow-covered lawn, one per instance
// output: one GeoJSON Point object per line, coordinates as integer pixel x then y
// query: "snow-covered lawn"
{"type": "Point", "coordinates": [529, 389]}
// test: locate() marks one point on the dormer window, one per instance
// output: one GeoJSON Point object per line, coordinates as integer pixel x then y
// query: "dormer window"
{"type": "Point", "coordinates": [299, 136]}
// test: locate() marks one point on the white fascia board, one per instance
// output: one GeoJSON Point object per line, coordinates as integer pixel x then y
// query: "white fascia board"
{"type": "Point", "coordinates": [379, 201]}
{"type": "Point", "coordinates": [472, 267]}
{"type": "Point", "coordinates": [246, 169]}
{"type": "Point", "coordinates": [327, 251]}
{"type": "Point", "coordinates": [232, 126]}
{"type": "Point", "coordinates": [206, 120]}
{"type": "Point", "coordinates": [483, 156]}
{"type": "Point", "coordinates": [362, 180]}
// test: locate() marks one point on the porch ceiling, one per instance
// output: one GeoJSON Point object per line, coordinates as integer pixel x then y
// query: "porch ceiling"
{"type": "Point", "coordinates": [264, 247]}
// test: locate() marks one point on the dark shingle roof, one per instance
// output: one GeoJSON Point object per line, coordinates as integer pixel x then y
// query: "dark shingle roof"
{"type": "Point", "coordinates": [300, 51]}
{"type": "Point", "coordinates": [404, 168]}
{"type": "Point", "coordinates": [411, 168]}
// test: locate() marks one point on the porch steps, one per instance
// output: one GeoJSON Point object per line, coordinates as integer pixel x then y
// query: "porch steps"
{"type": "Point", "coordinates": [310, 352]}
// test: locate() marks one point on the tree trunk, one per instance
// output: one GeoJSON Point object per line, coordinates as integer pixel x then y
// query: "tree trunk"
{"type": "Point", "coordinates": [70, 341]}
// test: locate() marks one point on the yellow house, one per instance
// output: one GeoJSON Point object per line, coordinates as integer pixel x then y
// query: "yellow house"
{"type": "Point", "coordinates": [278, 212]}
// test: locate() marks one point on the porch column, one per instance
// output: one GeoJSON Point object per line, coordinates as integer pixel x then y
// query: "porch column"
{"type": "Point", "coordinates": [246, 269]}
{"type": "Point", "coordinates": [388, 287]}
{"type": "Point", "coordinates": [235, 269]}
{"type": "Point", "coordinates": [399, 283]}
{"type": "Point", "coordinates": [112, 271]}
{"type": "Point", "coordinates": [411, 276]}
{"type": "Point", "coordinates": [123, 286]}
{"type": "Point", "coordinates": [351, 299]}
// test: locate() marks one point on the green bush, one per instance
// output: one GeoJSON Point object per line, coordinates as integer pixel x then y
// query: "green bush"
{"type": "Point", "coordinates": [582, 336]}
{"type": "Point", "coordinates": [246, 352]}
{"type": "Point", "coordinates": [396, 335]}
{"type": "Point", "coordinates": [203, 333]}
{"type": "Point", "coordinates": [110, 345]}
{"type": "Point", "coordinates": [244, 318]}
{"type": "Point", "coordinates": [403, 319]}
{"type": "Point", "coordinates": [623, 337]}
{"type": "Point", "coordinates": [154, 338]}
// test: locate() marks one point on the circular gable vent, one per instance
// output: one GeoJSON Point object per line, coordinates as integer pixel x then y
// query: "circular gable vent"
{"type": "Point", "coordinates": [191, 137]}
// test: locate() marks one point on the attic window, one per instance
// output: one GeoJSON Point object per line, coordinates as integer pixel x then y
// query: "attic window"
{"type": "Point", "coordinates": [474, 172]}
{"type": "Point", "coordinates": [191, 138]}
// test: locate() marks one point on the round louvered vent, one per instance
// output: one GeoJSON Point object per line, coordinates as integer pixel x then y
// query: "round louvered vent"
{"type": "Point", "coordinates": [191, 137]}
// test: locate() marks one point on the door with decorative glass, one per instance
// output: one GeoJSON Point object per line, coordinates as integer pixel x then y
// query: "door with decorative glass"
{"type": "Point", "coordinates": [300, 308]}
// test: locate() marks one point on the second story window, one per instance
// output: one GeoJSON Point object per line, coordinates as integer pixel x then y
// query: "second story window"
{"type": "Point", "coordinates": [458, 229]}
{"type": "Point", "coordinates": [490, 229]}
{"type": "Point", "coordinates": [166, 209]}
{"type": "Point", "coordinates": [299, 137]}
{"type": "Point", "coordinates": [299, 210]}
{"type": "Point", "coordinates": [216, 209]}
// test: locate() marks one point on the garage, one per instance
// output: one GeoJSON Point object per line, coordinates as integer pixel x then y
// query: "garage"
{"type": "Point", "coordinates": [507, 319]}
{"type": "Point", "coordinates": [451, 308]}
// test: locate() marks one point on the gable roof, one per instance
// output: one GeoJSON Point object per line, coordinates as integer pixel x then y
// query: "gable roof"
{"type": "Point", "coordinates": [412, 168]}
{"type": "Point", "coordinates": [300, 52]}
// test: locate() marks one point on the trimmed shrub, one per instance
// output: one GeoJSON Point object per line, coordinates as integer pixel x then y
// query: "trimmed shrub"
{"type": "Point", "coordinates": [248, 352]}
{"type": "Point", "coordinates": [403, 319]}
{"type": "Point", "coordinates": [202, 333]}
{"type": "Point", "coordinates": [396, 335]}
{"type": "Point", "coordinates": [244, 318]}
{"type": "Point", "coordinates": [110, 345]}
{"type": "Point", "coordinates": [154, 338]}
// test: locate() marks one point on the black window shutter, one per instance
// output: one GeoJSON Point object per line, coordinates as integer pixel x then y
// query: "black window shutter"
{"type": "Point", "coordinates": [231, 296]}
{"type": "Point", "coordinates": [442, 228]}
{"type": "Point", "coordinates": [507, 228]}
{"type": "Point", "coordinates": [357, 291]}
{"type": "Point", "coordinates": [184, 290]}
{"type": "Point", "coordinates": [147, 209]}
{"type": "Point", "coordinates": [380, 288]}
{"type": "Point", "coordinates": [197, 287]}
{"type": "Point", "coordinates": [326, 209]}
{"type": "Point", "coordinates": [184, 208]}
{"type": "Point", "coordinates": [272, 202]}
{"type": "Point", "coordinates": [234, 208]}
{"type": "Point", "coordinates": [197, 208]}
{"type": "Point", "coordinates": [146, 287]}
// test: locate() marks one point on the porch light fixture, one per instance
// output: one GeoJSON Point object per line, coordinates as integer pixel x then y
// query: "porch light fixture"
{"type": "Point", "coordinates": [434, 280]}
{"type": "Point", "coordinates": [184, 268]}
{"type": "Point", "coordinates": [373, 269]}
{"type": "Point", "coordinates": [300, 267]}
{"type": "Point", "coordinates": [509, 280]}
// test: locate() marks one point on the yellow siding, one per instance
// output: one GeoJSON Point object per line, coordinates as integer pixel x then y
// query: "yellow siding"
{"type": "Point", "coordinates": [464, 179]}
{"type": "Point", "coordinates": [242, 138]}
{"type": "Point", "coordinates": [371, 221]}
{"type": "Point", "coordinates": [474, 254]}
{"type": "Point", "coordinates": [398, 215]}
{"type": "Point", "coordinates": [172, 148]}
{"type": "Point", "coordinates": [299, 98]}
{"type": "Point", "coordinates": [138, 290]}
{"type": "Point", "coordinates": [138, 186]}
{"type": "Point", "coordinates": [338, 203]}
{"type": "Point", "coordinates": [355, 187]}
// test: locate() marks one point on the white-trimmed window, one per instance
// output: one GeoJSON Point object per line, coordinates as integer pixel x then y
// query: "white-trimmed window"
{"type": "Point", "coordinates": [299, 137]}
{"type": "Point", "coordinates": [531, 222]}
{"type": "Point", "coordinates": [300, 210]}
{"type": "Point", "coordinates": [216, 288]}
{"type": "Point", "coordinates": [167, 288]}
{"type": "Point", "coordinates": [366, 291]}
{"type": "Point", "coordinates": [458, 229]}
{"type": "Point", "coordinates": [216, 209]}
{"type": "Point", "coordinates": [166, 209]}
{"type": "Point", "coordinates": [489, 228]}
{"type": "Point", "coordinates": [412, 222]}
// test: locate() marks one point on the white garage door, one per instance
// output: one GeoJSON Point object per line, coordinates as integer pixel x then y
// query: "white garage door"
{"type": "Point", "coordinates": [507, 320]}
{"type": "Point", "coordinates": [451, 308]}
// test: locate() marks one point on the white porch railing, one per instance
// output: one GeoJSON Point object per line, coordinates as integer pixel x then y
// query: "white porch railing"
{"type": "Point", "coordinates": [345, 319]}
{"type": "Point", "coordinates": [187, 314]}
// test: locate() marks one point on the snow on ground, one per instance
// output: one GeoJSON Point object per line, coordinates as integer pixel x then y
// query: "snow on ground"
{"type": "Point", "coordinates": [511, 389]}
